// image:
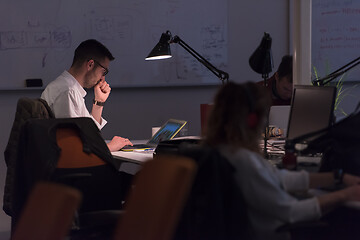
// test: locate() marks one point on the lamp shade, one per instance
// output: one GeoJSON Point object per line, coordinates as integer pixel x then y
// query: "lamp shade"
{"type": "Point", "coordinates": [261, 60]}
{"type": "Point", "coordinates": [162, 49]}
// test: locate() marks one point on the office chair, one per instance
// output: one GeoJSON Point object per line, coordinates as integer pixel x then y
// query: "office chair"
{"type": "Point", "coordinates": [72, 157]}
{"type": "Point", "coordinates": [48, 212]}
{"type": "Point", "coordinates": [70, 151]}
{"type": "Point", "coordinates": [215, 208]}
{"type": "Point", "coordinates": [153, 206]}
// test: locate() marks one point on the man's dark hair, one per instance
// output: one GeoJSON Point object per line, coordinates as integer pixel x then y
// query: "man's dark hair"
{"type": "Point", "coordinates": [91, 49]}
{"type": "Point", "coordinates": [286, 67]}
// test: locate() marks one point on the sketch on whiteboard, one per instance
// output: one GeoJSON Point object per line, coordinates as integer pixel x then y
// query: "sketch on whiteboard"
{"type": "Point", "coordinates": [212, 47]}
{"type": "Point", "coordinates": [29, 39]}
{"type": "Point", "coordinates": [335, 36]}
{"type": "Point", "coordinates": [42, 35]}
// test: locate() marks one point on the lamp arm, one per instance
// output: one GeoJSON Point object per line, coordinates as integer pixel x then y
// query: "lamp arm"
{"type": "Point", "coordinates": [325, 80]}
{"type": "Point", "coordinates": [223, 76]}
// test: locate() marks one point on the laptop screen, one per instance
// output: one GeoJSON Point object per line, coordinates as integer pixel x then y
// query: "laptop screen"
{"type": "Point", "coordinates": [167, 131]}
{"type": "Point", "coordinates": [311, 110]}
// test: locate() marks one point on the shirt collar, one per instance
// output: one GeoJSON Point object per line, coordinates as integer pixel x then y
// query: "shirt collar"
{"type": "Point", "coordinates": [76, 85]}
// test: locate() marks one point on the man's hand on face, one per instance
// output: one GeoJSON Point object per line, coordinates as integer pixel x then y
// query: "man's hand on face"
{"type": "Point", "coordinates": [102, 90]}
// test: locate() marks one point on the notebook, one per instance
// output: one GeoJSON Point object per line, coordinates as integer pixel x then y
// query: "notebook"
{"type": "Point", "coordinates": [166, 132]}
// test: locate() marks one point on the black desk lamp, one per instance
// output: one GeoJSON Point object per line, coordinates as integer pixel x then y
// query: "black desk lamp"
{"type": "Point", "coordinates": [162, 51]}
{"type": "Point", "coordinates": [327, 79]}
{"type": "Point", "coordinates": [261, 61]}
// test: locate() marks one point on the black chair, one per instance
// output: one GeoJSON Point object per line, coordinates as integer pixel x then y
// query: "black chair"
{"type": "Point", "coordinates": [71, 151]}
{"type": "Point", "coordinates": [215, 209]}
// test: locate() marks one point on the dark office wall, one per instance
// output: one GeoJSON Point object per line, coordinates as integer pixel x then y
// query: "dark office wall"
{"type": "Point", "coordinates": [132, 112]}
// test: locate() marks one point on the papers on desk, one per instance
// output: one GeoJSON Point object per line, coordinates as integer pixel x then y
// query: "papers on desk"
{"type": "Point", "coordinates": [143, 150]}
{"type": "Point", "coordinates": [134, 157]}
{"type": "Point", "coordinates": [274, 146]}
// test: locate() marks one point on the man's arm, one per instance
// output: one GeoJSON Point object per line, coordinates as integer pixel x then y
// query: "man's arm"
{"type": "Point", "coordinates": [101, 92]}
{"type": "Point", "coordinates": [96, 112]}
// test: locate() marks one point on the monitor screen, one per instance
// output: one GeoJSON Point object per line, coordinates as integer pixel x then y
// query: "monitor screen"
{"type": "Point", "coordinates": [312, 109]}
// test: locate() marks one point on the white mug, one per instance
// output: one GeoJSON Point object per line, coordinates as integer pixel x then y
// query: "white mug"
{"type": "Point", "coordinates": [154, 130]}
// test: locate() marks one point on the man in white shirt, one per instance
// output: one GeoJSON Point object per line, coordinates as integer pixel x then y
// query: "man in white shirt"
{"type": "Point", "coordinates": [65, 95]}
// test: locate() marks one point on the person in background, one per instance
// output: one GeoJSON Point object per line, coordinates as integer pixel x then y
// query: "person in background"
{"type": "Point", "coordinates": [281, 83]}
{"type": "Point", "coordinates": [234, 128]}
{"type": "Point", "coordinates": [65, 95]}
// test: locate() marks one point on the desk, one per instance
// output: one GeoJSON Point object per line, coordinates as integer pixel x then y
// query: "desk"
{"type": "Point", "coordinates": [138, 157]}
{"type": "Point", "coordinates": [133, 157]}
{"type": "Point", "coordinates": [131, 161]}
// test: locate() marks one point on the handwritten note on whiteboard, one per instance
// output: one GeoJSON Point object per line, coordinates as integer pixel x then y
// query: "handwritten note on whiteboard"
{"type": "Point", "coordinates": [38, 38]}
{"type": "Point", "coordinates": [335, 36]}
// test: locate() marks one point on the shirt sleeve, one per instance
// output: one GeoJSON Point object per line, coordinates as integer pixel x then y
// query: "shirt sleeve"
{"type": "Point", "coordinates": [103, 122]}
{"type": "Point", "coordinates": [264, 191]}
{"type": "Point", "coordinates": [294, 180]}
{"type": "Point", "coordinates": [71, 105]}
{"type": "Point", "coordinates": [64, 106]}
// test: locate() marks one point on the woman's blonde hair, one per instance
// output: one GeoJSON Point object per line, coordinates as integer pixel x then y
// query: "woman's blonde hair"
{"type": "Point", "coordinates": [229, 122]}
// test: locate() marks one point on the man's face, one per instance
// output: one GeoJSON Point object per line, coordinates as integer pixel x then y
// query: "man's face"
{"type": "Point", "coordinates": [284, 88]}
{"type": "Point", "coordinates": [96, 74]}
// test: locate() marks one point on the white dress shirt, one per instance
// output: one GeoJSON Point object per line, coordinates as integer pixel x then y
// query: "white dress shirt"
{"type": "Point", "coordinates": [267, 189]}
{"type": "Point", "coordinates": [65, 96]}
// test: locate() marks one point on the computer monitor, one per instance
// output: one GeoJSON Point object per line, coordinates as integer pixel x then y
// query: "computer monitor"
{"type": "Point", "coordinates": [312, 109]}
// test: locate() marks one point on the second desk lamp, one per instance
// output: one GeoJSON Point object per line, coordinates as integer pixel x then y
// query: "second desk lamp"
{"type": "Point", "coordinates": [261, 61]}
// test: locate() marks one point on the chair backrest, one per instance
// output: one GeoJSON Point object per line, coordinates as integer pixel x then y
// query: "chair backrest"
{"type": "Point", "coordinates": [72, 154]}
{"type": "Point", "coordinates": [215, 208]}
{"type": "Point", "coordinates": [39, 153]}
{"type": "Point", "coordinates": [48, 212]}
{"type": "Point", "coordinates": [156, 201]}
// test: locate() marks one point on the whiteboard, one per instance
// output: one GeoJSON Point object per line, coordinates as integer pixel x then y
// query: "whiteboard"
{"type": "Point", "coordinates": [38, 38]}
{"type": "Point", "coordinates": [335, 36]}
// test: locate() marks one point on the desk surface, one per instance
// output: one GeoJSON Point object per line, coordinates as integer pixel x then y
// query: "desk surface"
{"type": "Point", "coordinates": [134, 156]}
{"type": "Point", "coordinates": [138, 157]}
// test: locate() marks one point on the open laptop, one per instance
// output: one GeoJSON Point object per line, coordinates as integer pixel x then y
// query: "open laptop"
{"type": "Point", "coordinates": [166, 132]}
{"type": "Point", "coordinates": [279, 117]}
